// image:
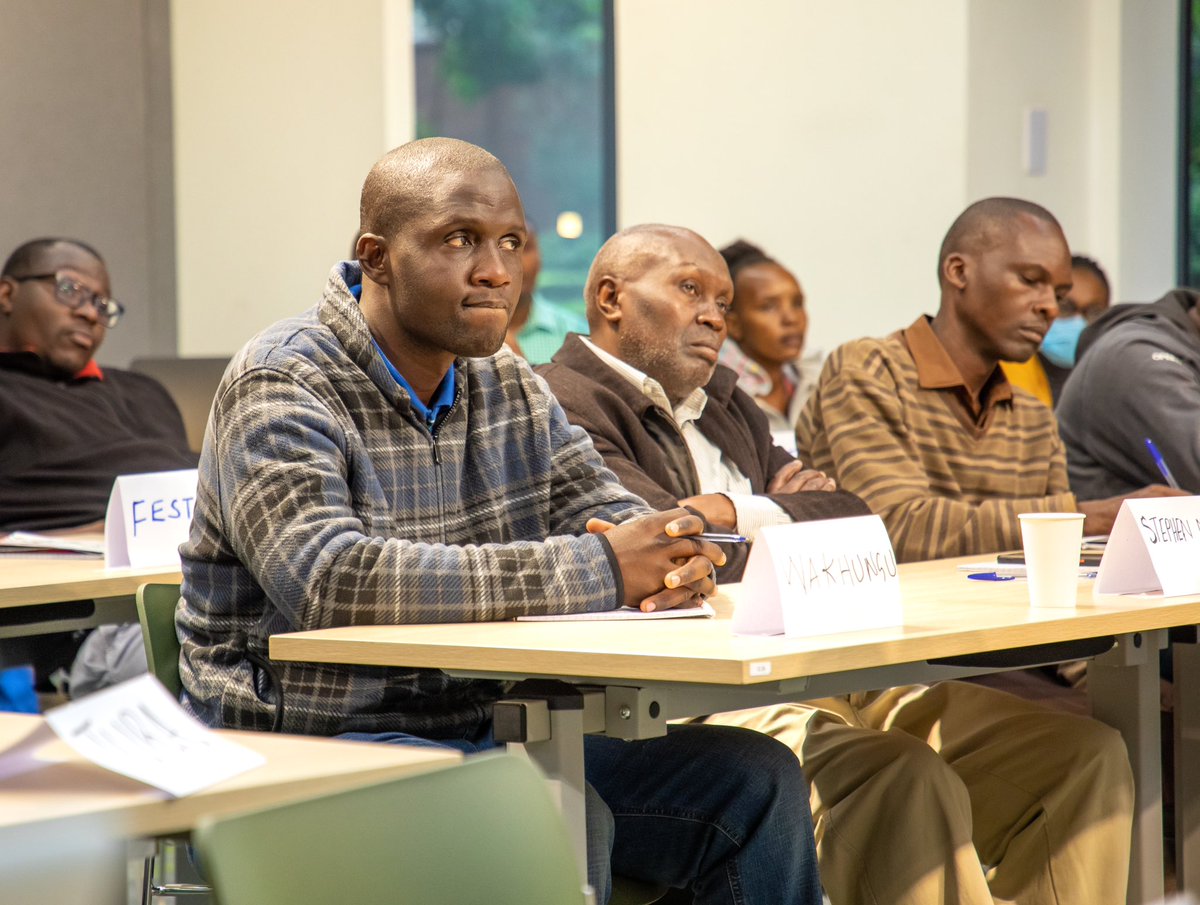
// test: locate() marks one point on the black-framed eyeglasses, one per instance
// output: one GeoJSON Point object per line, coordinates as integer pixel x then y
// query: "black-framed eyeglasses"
{"type": "Point", "coordinates": [75, 295]}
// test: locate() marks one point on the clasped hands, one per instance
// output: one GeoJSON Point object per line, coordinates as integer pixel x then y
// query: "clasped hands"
{"type": "Point", "coordinates": [662, 565]}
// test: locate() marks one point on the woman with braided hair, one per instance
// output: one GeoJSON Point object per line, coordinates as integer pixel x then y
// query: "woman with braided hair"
{"type": "Point", "coordinates": [767, 324]}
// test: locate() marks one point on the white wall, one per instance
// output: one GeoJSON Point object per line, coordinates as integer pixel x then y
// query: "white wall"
{"type": "Point", "coordinates": [86, 150]}
{"type": "Point", "coordinates": [1013, 67]}
{"type": "Point", "coordinates": [280, 110]}
{"type": "Point", "coordinates": [1147, 200]}
{"type": "Point", "coordinates": [845, 137]}
{"type": "Point", "coordinates": [1106, 72]}
{"type": "Point", "coordinates": [833, 134]}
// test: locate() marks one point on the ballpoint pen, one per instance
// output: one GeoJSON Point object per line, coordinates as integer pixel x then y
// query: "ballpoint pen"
{"type": "Point", "coordinates": [1162, 464]}
{"type": "Point", "coordinates": [722, 538]}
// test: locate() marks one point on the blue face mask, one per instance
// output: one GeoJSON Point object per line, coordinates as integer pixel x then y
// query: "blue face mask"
{"type": "Point", "coordinates": [1061, 340]}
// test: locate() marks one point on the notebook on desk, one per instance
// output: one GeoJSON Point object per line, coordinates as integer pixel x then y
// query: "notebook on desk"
{"type": "Point", "coordinates": [1090, 552]}
{"type": "Point", "coordinates": [1017, 557]}
{"type": "Point", "coordinates": [627, 612]}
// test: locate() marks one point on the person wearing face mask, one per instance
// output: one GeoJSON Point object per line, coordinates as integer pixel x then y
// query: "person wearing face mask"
{"type": "Point", "coordinates": [767, 325]}
{"type": "Point", "coordinates": [1046, 372]}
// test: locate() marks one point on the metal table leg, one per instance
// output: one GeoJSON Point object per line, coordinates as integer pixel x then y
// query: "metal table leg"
{"type": "Point", "coordinates": [1123, 686]}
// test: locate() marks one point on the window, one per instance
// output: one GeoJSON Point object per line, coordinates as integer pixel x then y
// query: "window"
{"type": "Point", "coordinates": [531, 81]}
{"type": "Point", "coordinates": [1189, 132]}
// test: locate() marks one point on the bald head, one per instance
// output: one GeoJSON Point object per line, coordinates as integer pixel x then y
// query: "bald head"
{"type": "Point", "coordinates": [440, 256]}
{"type": "Point", "coordinates": [1005, 265]}
{"type": "Point", "coordinates": [985, 225]}
{"type": "Point", "coordinates": [629, 254]}
{"type": "Point", "coordinates": [656, 299]}
{"type": "Point", "coordinates": [406, 177]}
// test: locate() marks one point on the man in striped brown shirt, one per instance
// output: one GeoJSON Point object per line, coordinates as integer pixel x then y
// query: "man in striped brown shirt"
{"type": "Point", "coordinates": [1023, 804]}
{"type": "Point", "coordinates": [924, 426]}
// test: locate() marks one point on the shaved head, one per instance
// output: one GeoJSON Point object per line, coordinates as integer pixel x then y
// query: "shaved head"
{"type": "Point", "coordinates": [405, 178]}
{"type": "Point", "coordinates": [656, 299]}
{"type": "Point", "coordinates": [440, 256]}
{"type": "Point", "coordinates": [1005, 265]}
{"type": "Point", "coordinates": [986, 224]}
{"type": "Point", "coordinates": [628, 254]}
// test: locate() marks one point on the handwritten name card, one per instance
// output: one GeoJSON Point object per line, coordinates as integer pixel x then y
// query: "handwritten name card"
{"type": "Point", "coordinates": [138, 730]}
{"type": "Point", "coordinates": [149, 516]}
{"type": "Point", "coordinates": [1154, 546]}
{"type": "Point", "coordinates": [819, 578]}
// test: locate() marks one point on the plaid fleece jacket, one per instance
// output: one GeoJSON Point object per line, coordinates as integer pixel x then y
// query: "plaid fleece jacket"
{"type": "Point", "coordinates": [324, 500]}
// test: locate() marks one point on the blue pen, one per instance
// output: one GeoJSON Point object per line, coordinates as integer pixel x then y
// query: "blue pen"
{"type": "Point", "coordinates": [722, 538]}
{"type": "Point", "coordinates": [1162, 464]}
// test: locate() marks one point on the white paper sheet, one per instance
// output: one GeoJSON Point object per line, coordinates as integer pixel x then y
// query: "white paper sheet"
{"type": "Point", "coordinates": [21, 541]}
{"type": "Point", "coordinates": [627, 612]}
{"type": "Point", "coordinates": [138, 730]}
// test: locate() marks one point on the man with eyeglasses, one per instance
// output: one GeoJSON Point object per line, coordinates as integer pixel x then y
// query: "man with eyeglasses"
{"type": "Point", "coordinates": [67, 427]}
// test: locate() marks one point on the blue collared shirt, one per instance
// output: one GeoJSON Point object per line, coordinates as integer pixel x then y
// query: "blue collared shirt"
{"type": "Point", "coordinates": [443, 397]}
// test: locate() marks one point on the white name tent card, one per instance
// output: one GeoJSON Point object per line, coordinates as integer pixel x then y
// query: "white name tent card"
{"type": "Point", "coordinates": [820, 578]}
{"type": "Point", "coordinates": [149, 516]}
{"type": "Point", "coordinates": [138, 730]}
{"type": "Point", "coordinates": [1154, 547]}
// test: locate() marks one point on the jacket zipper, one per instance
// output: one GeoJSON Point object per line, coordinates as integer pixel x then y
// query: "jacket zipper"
{"type": "Point", "coordinates": [437, 457]}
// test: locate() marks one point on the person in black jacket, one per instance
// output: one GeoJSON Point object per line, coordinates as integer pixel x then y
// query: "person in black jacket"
{"type": "Point", "coordinates": [68, 428]}
{"type": "Point", "coordinates": [1137, 378]}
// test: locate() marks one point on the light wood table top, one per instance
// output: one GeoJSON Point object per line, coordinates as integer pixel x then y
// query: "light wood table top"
{"type": "Point", "coordinates": [26, 580]}
{"type": "Point", "coordinates": [30, 579]}
{"type": "Point", "coordinates": [297, 767]}
{"type": "Point", "coordinates": [945, 615]}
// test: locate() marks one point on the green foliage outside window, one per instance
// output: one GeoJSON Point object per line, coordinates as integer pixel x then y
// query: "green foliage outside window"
{"type": "Point", "coordinates": [525, 79]}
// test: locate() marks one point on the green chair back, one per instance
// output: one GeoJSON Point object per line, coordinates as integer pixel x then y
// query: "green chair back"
{"type": "Point", "coordinates": [482, 832]}
{"type": "Point", "coordinates": [156, 613]}
{"type": "Point", "coordinates": [637, 892]}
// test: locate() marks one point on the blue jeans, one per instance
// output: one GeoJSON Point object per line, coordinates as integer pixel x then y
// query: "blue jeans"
{"type": "Point", "coordinates": [719, 809]}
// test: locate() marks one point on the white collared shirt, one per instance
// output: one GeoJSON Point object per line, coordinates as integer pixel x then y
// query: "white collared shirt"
{"type": "Point", "coordinates": [716, 472]}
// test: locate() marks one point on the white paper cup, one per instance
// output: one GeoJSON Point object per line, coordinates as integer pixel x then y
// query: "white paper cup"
{"type": "Point", "coordinates": [1052, 542]}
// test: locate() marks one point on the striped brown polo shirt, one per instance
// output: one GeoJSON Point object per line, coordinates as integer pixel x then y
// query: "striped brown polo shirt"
{"type": "Point", "coordinates": [893, 422]}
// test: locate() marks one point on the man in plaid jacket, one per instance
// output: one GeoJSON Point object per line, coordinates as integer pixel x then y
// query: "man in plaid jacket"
{"type": "Point", "coordinates": [375, 460]}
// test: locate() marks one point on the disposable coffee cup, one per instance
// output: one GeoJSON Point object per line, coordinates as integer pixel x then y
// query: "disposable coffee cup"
{"type": "Point", "coordinates": [1052, 541]}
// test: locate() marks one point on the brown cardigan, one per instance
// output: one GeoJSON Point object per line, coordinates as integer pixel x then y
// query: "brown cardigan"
{"type": "Point", "coordinates": [642, 445]}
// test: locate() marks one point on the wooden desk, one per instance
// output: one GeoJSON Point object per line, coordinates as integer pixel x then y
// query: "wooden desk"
{"type": "Point", "coordinates": [655, 671]}
{"type": "Point", "coordinates": [296, 767]}
{"type": "Point", "coordinates": [36, 593]}
{"type": "Point", "coordinates": [76, 800]}
{"type": "Point", "coordinates": [944, 615]}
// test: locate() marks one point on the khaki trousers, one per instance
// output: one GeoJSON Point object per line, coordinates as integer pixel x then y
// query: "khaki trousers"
{"type": "Point", "coordinates": [957, 793]}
